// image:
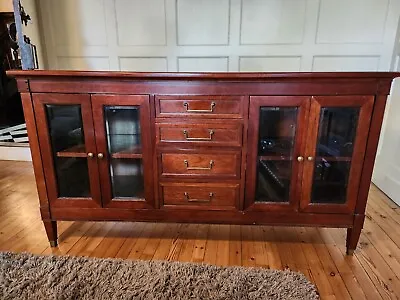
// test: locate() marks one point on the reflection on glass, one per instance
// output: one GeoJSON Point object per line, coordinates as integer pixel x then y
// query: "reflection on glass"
{"type": "Point", "coordinates": [277, 130]}
{"type": "Point", "coordinates": [72, 177]}
{"type": "Point", "coordinates": [65, 126]}
{"type": "Point", "coordinates": [122, 128]}
{"type": "Point", "coordinates": [337, 130]}
{"type": "Point", "coordinates": [127, 178]}
{"type": "Point", "coordinates": [335, 143]}
{"type": "Point", "coordinates": [275, 150]}
{"type": "Point", "coordinates": [66, 135]}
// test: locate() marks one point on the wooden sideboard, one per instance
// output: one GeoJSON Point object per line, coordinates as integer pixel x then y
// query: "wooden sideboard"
{"type": "Point", "coordinates": [236, 148]}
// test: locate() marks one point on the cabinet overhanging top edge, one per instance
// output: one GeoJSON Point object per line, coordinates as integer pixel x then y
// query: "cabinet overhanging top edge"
{"type": "Point", "coordinates": [31, 74]}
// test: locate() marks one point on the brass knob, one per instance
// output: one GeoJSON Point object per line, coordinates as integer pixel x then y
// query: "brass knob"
{"type": "Point", "coordinates": [90, 155]}
{"type": "Point", "coordinates": [300, 158]}
{"type": "Point", "coordinates": [310, 158]}
{"type": "Point", "coordinates": [100, 155]}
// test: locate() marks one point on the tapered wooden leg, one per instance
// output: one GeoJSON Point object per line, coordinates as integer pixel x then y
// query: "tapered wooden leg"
{"type": "Point", "coordinates": [51, 231]}
{"type": "Point", "coordinates": [353, 234]}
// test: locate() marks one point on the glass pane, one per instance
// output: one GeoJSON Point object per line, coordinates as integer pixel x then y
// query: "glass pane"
{"type": "Point", "coordinates": [72, 177]}
{"type": "Point", "coordinates": [65, 127]}
{"type": "Point", "coordinates": [277, 133]}
{"type": "Point", "coordinates": [127, 178]}
{"type": "Point", "coordinates": [68, 143]}
{"type": "Point", "coordinates": [123, 129]}
{"type": "Point", "coordinates": [335, 143]}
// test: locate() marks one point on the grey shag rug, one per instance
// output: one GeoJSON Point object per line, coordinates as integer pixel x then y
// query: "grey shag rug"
{"type": "Point", "coordinates": [26, 276]}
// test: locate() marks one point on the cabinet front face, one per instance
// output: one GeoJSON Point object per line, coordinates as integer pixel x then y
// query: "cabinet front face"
{"type": "Point", "coordinates": [337, 135]}
{"type": "Point", "coordinates": [65, 130]}
{"type": "Point", "coordinates": [276, 129]}
{"type": "Point", "coordinates": [122, 129]}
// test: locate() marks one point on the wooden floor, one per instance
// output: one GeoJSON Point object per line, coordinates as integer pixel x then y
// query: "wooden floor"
{"type": "Point", "coordinates": [372, 273]}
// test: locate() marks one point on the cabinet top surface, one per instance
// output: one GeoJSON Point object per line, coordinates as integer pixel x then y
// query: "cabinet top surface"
{"type": "Point", "coordinates": [200, 76]}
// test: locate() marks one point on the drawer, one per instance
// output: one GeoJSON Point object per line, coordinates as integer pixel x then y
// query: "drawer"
{"type": "Point", "coordinates": [201, 134]}
{"type": "Point", "coordinates": [200, 106]}
{"type": "Point", "coordinates": [222, 164]}
{"type": "Point", "coordinates": [195, 195]}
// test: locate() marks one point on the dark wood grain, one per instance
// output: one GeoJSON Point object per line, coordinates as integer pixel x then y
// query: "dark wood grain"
{"type": "Point", "coordinates": [51, 231]}
{"type": "Point", "coordinates": [223, 196]}
{"type": "Point", "coordinates": [365, 103]}
{"type": "Point", "coordinates": [35, 150]}
{"type": "Point", "coordinates": [223, 165]}
{"type": "Point", "coordinates": [302, 103]}
{"type": "Point", "coordinates": [353, 234]}
{"type": "Point", "coordinates": [370, 152]}
{"type": "Point", "coordinates": [357, 86]}
{"type": "Point", "coordinates": [39, 101]}
{"type": "Point", "coordinates": [142, 102]}
{"type": "Point", "coordinates": [200, 133]}
{"type": "Point", "coordinates": [234, 119]}
{"type": "Point", "coordinates": [209, 106]}
{"type": "Point", "coordinates": [206, 216]}
{"type": "Point", "coordinates": [202, 76]}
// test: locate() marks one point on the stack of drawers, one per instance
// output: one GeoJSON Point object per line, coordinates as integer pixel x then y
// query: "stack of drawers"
{"type": "Point", "coordinates": [199, 142]}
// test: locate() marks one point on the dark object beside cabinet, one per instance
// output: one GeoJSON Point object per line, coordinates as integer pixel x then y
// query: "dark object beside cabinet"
{"type": "Point", "coordinates": [236, 148]}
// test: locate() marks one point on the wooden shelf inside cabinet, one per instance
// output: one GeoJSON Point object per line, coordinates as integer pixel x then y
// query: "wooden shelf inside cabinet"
{"type": "Point", "coordinates": [333, 158]}
{"type": "Point", "coordinates": [134, 152]}
{"type": "Point", "coordinates": [75, 151]}
{"type": "Point", "coordinates": [275, 157]}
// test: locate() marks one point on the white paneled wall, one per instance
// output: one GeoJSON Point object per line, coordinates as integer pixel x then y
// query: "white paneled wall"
{"type": "Point", "coordinates": [223, 35]}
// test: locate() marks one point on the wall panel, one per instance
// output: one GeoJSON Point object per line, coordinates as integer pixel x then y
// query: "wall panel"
{"type": "Point", "coordinates": [223, 35]}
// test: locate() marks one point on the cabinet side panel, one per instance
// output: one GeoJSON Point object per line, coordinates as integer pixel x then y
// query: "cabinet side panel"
{"type": "Point", "coordinates": [370, 153]}
{"type": "Point", "coordinates": [36, 155]}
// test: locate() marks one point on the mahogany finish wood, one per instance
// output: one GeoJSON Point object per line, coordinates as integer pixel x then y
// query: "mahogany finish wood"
{"type": "Point", "coordinates": [178, 112]}
{"type": "Point", "coordinates": [217, 164]}
{"type": "Point", "coordinates": [207, 134]}
{"type": "Point", "coordinates": [303, 104]}
{"type": "Point", "coordinates": [366, 105]}
{"type": "Point", "coordinates": [198, 195]}
{"type": "Point", "coordinates": [199, 106]}
{"type": "Point", "coordinates": [142, 102]}
{"type": "Point", "coordinates": [39, 102]}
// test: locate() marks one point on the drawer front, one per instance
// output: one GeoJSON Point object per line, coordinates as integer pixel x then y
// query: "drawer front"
{"type": "Point", "coordinates": [201, 134]}
{"type": "Point", "coordinates": [200, 106]}
{"type": "Point", "coordinates": [201, 164]}
{"type": "Point", "coordinates": [195, 195]}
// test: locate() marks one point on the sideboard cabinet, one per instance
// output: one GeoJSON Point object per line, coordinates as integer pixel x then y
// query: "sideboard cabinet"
{"type": "Point", "coordinates": [236, 148]}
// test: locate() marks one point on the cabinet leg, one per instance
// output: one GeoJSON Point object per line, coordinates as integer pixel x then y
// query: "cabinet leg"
{"type": "Point", "coordinates": [51, 231]}
{"type": "Point", "coordinates": [353, 234]}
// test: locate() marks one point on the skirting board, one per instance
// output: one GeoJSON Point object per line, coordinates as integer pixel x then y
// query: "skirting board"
{"type": "Point", "coordinates": [15, 153]}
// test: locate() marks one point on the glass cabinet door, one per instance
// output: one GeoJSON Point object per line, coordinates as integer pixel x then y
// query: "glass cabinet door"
{"type": "Point", "coordinates": [276, 125]}
{"type": "Point", "coordinates": [122, 132]}
{"type": "Point", "coordinates": [66, 136]}
{"type": "Point", "coordinates": [335, 152]}
{"type": "Point", "coordinates": [124, 148]}
{"type": "Point", "coordinates": [276, 139]}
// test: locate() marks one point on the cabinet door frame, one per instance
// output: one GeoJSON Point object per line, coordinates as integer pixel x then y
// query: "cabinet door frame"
{"type": "Point", "coordinates": [143, 102]}
{"type": "Point", "coordinates": [256, 102]}
{"type": "Point", "coordinates": [39, 102]}
{"type": "Point", "coordinates": [365, 103]}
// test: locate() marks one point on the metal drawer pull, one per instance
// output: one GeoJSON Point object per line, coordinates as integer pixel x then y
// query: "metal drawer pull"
{"type": "Point", "coordinates": [185, 104]}
{"type": "Point", "coordinates": [198, 168]}
{"type": "Point", "coordinates": [198, 200]}
{"type": "Point", "coordinates": [186, 134]}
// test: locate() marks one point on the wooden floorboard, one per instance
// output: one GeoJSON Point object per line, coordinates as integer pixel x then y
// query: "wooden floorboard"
{"type": "Point", "coordinates": [319, 253]}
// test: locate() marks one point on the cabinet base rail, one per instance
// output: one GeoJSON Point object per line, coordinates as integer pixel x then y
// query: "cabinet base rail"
{"type": "Point", "coordinates": [353, 223]}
